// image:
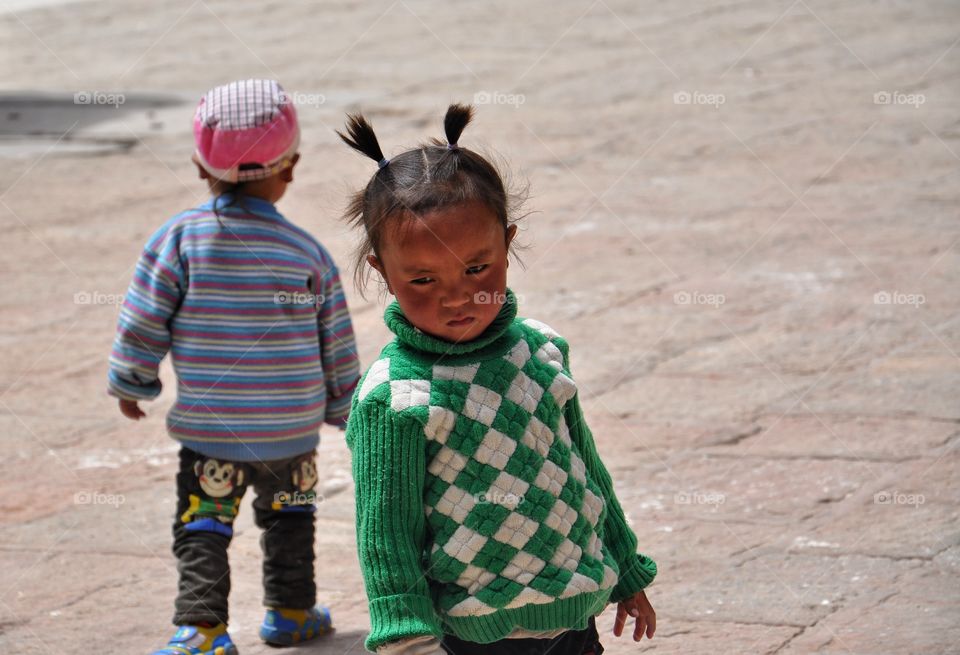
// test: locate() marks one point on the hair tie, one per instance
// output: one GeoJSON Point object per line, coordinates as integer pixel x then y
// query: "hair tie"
{"type": "Point", "coordinates": [383, 162]}
{"type": "Point", "coordinates": [452, 146]}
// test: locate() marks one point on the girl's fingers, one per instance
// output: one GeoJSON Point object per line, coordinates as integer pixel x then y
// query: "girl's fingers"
{"type": "Point", "coordinates": [639, 628]}
{"type": "Point", "coordinates": [620, 620]}
{"type": "Point", "coordinates": [651, 625]}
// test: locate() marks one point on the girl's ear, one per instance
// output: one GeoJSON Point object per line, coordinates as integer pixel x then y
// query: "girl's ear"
{"type": "Point", "coordinates": [511, 233]}
{"type": "Point", "coordinates": [374, 261]}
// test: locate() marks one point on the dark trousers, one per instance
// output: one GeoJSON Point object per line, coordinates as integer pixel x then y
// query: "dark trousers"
{"type": "Point", "coordinates": [575, 642]}
{"type": "Point", "coordinates": [208, 498]}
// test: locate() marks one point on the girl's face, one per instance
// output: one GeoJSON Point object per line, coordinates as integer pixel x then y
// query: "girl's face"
{"type": "Point", "coordinates": [447, 269]}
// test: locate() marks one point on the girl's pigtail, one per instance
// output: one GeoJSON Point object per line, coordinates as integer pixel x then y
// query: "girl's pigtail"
{"type": "Point", "coordinates": [361, 137]}
{"type": "Point", "coordinates": [457, 118]}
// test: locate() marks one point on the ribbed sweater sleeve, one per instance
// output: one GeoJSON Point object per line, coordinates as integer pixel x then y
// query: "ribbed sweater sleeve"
{"type": "Point", "coordinates": [389, 472]}
{"type": "Point", "coordinates": [341, 366]}
{"type": "Point", "coordinates": [636, 570]}
{"type": "Point", "coordinates": [143, 333]}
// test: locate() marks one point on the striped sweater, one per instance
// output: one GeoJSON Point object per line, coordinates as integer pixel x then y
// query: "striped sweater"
{"type": "Point", "coordinates": [251, 309]}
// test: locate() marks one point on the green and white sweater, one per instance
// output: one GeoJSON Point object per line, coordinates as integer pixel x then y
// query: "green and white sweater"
{"type": "Point", "coordinates": [482, 504]}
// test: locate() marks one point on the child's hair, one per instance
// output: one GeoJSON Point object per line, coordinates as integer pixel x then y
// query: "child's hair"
{"type": "Point", "coordinates": [234, 191]}
{"type": "Point", "coordinates": [433, 176]}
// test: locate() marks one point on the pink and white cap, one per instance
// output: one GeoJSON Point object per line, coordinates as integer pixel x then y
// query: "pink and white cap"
{"type": "Point", "coordinates": [242, 123]}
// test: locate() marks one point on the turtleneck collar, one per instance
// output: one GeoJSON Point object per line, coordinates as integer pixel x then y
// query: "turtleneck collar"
{"type": "Point", "coordinates": [416, 338]}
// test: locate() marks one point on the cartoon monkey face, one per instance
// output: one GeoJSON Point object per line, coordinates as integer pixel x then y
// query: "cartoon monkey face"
{"type": "Point", "coordinates": [305, 475]}
{"type": "Point", "coordinates": [217, 479]}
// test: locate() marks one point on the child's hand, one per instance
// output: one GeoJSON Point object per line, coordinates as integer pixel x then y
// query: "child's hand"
{"type": "Point", "coordinates": [130, 409]}
{"type": "Point", "coordinates": [640, 608]}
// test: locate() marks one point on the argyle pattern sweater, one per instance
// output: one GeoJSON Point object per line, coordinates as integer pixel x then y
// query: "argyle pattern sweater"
{"type": "Point", "coordinates": [482, 503]}
{"type": "Point", "coordinates": [251, 309]}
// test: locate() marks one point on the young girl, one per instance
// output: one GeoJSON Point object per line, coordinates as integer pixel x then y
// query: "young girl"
{"type": "Point", "coordinates": [252, 310]}
{"type": "Point", "coordinates": [486, 521]}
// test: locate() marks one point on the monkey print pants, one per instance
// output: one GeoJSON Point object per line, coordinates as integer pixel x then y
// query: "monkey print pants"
{"type": "Point", "coordinates": [208, 499]}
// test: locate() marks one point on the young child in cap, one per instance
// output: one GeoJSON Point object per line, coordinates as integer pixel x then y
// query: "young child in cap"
{"type": "Point", "coordinates": [251, 308]}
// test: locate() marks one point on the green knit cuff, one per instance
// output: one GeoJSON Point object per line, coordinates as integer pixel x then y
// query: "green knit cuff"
{"type": "Point", "coordinates": [634, 578]}
{"type": "Point", "coordinates": [399, 617]}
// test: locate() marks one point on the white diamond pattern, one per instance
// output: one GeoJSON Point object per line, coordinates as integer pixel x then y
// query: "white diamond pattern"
{"type": "Point", "coordinates": [496, 449]}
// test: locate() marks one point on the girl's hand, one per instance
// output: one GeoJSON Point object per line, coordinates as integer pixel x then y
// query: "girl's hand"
{"type": "Point", "coordinates": [131, 410]}
{"type": "Point", "coordinates": [640, 608]}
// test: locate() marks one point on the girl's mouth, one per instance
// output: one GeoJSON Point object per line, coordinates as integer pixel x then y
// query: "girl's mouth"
{"type": "Point", "coordinates": [460, 322]}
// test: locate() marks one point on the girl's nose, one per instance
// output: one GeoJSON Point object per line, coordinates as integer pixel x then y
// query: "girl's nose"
{"type": "Point", "coordinates": [455, 298]}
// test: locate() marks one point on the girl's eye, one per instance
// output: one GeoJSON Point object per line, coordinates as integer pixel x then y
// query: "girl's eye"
{"type": "Point", "coordinates": [422, 280]}
{"type": "Point", "coordinates": [479, 268]}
